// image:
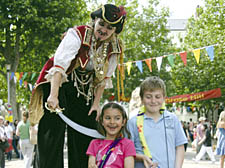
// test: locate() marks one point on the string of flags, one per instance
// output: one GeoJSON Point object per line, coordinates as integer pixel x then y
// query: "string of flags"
{"type": "Point", "coordinates": [170, 57]}
{"type": "Point", "coordinates": [22, 77]}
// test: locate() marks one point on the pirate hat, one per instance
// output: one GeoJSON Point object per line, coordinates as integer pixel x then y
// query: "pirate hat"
{"type": "Point", "coordinates": [111, 14]}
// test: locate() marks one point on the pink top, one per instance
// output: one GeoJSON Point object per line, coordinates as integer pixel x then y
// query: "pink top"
{"type": "Point", "coordinates": [199, 131]}
{"type": "Point", "coordinates": [125, 148]}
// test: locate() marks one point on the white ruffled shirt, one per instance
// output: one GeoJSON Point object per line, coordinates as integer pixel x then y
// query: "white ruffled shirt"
{"type": "Point", "coordinates": [67, 51]}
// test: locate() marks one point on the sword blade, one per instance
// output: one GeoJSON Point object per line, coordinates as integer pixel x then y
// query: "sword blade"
{"type": "Point", "coordinates": [84, 130]}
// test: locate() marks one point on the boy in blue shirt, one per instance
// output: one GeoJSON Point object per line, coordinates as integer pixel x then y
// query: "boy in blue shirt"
{"type": "Point", "coordinates": [157, 134]}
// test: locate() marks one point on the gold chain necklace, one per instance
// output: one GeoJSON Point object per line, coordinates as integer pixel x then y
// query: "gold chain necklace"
{"type": "Point", "coordinates": [99, 57]}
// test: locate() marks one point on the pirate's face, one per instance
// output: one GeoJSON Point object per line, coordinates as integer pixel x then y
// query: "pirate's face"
{"type": "Point", "coordinates": [103, 30]}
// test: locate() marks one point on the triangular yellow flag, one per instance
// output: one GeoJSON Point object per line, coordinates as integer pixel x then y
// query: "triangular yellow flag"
{"type": "Point", "coordinates": [197, 55]}
{"type": "Point", "coordinates": [129, 65]}
{"type": "Point", "coordinates": [17, 74]}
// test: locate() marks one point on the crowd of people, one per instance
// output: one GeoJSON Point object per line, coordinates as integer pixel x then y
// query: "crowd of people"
{"type": "Point", "coordinates": [127, 143]}
{"type": "Point", "coordinates": [16, 137]}
{"type": "Point", "coordinates": [67, 97]}
{"type": "Point", "coordinates": [206, 137]}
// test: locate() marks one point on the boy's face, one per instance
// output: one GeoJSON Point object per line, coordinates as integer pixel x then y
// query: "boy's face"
{"type": "Point", "coordinates": [153, 100]}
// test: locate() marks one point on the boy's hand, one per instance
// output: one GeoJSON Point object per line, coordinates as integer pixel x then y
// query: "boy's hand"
{"type": "Point", "coordinates": [148, 162]}
{"type": "Point", "coordinates": [155, 165]}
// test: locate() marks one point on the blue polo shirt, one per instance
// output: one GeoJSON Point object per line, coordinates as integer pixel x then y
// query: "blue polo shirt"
{"type": "Point", "coordinates": [156, 134]}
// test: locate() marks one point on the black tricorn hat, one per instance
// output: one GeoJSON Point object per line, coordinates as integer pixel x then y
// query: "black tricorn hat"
{"type": "Point", "coordinates": [111, 14]}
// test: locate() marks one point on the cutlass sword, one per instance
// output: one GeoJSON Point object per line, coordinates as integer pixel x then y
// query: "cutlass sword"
{"type": "Point", "coordinates": [84, 130]}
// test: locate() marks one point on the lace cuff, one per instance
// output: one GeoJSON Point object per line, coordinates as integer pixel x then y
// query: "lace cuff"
{"type": "Point", "coordinates": [107, 82]}
{"type": "Point", "coordinates": [52, 71]}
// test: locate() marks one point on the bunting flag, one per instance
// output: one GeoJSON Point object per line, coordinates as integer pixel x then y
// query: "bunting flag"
{"type": "Point", "coordinates": [21, 82]}
{"type": "Point", "coordinates": [149, 63]}
{"type": "Point", "coordinates": [33, 75]}
{"type": "Point", "coordinates": [9, 117]}
{"type": "Point", "coordinates": [159, 62]}
{"type": "Point", "coordinates": [129, 65]}
{"type": "Point", "coordinates": [17, 74]}
{"type": "Point", "coordinates": [139, 65]}
{"type": "Point", "coordinates": [30, 86]}
{"type": "Point", "coordinates": [15, 79]}
{"type": "Point", "coordinates": [12, 75]}
{"type": "Point", "coordinates": [171, 60]}
{"type": "Point", "coordinates": [21, 75]}
{"type": "Point", "coordinates": [9, 109]}
{"type": "Point", "coordinates": [197, 55]}
{"type": "Point", "coordinates": [210, 51]}
{"type": "Point", "coordinates": [183, 56]}
{"type": "Point", "coordinates": [24, 76]}
{"type": "Point", "coordinates": [25, 84]}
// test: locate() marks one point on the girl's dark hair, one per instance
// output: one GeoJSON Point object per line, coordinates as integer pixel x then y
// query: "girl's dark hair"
{"type": "Point", "coordinates": [124, 129]}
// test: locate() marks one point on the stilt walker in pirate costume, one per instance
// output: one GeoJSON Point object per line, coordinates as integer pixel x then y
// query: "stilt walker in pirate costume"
{"type": "Point", "coordinates": [72, 84]}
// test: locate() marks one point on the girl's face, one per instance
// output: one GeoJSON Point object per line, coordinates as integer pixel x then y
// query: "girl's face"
{"type": "Point", "coordinates": [112, 122]}
{"type": "Point", "coordinates": [102, 29]}
{"type": "Point", "coordinates": [153, 101]}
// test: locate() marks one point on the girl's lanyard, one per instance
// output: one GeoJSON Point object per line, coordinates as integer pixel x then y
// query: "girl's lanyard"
{"type": "Point", "coordinates": [108, 153]}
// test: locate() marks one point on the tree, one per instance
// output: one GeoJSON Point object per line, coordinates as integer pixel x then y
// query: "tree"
{"type": "Point", "coordinates": [145, 36]}
{"type": "Point", "coordinates": [30, 31]}
{"type": "Point", "coordinates": [204, 30]}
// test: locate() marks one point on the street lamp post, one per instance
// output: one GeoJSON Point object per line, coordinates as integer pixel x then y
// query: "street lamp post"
{"type": "Point", "coordinates": [8, 67]}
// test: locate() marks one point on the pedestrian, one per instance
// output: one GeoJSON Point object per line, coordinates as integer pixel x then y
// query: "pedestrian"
{"type": "Point", "coordinates": [206, 145]}
{"type": "Point", "coordinates": [74, 80]}
{"type": "Point", "coordinates": [200, 134]}
{"type": "Point", "coordinates": [194, 143]}
{"type": "Point", "coordinates": [115, 150]}
{"type": "Point", "coordinates": [3, 138]}
{"type": "Point", "coordinates": [190, 129]}
{"type": "Point", "coordinates": [220, 148]}
{"type": "Point", "coordinates": [157, 134]}
{"type": "Point", "coordinates": [9, 134]}
{"type": "Point", "coordinates": [25, 144]}
{"type": "Point", "coordinates": [15, 139]}
{"type": "Point", "coordinates": [186, 134]}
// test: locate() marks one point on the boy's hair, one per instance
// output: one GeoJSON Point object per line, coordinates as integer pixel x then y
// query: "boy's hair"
{"type": "Point", "coordinates": [112, 105]}
{"type": "Point", "coordinates": [151, 84]}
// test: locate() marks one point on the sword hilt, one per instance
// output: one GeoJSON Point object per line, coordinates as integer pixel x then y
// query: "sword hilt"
{"type": "Point", "coordinates": [57, 110]}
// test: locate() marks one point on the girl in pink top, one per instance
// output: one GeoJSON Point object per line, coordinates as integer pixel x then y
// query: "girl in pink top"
{"type": "Point", "coordinates": [114, 151]}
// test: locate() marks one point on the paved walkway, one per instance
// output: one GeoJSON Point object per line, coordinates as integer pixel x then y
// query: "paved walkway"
{"type": "Point", "coordinates": [188, 162]}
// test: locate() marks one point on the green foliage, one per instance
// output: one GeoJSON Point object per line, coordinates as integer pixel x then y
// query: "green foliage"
{"type": "Point", "coordinates": [204, 30]}
{"type": "Point", "coordinates": [145, 36]}
{"type": "Point", "coordinates": [30, 31]}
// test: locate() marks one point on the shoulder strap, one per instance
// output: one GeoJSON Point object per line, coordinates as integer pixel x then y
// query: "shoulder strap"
{"type": "Point", "coordinates": [140, 125]}
{"type": "Point", "coordinates": [108, 153]}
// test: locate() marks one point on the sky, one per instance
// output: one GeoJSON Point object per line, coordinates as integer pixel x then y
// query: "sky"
{"type": "Point", "coordinates": [179, 9]}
